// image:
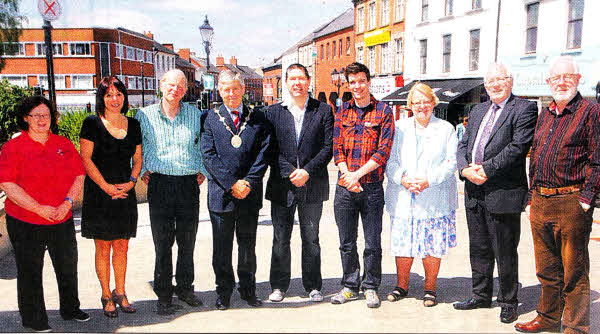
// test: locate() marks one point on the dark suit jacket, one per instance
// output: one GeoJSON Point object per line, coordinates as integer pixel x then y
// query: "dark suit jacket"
{"type": "Point", "coordinates": [312, 154]}
{"type": "Point", "coordinates": [505, 190]}
{"type": "Point", "coordinates": [226, 164]}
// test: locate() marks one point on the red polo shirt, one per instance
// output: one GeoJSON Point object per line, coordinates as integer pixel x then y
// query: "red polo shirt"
{"type": "Point", "coordinates": [46, 172]}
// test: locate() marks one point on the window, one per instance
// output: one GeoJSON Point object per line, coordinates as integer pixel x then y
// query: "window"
{"type": "Point", "coordinates": [372, 16]}
{"type": "Point", "coordinates": [13, 49]}
{"type": "Point", "coordinates": [82, 81]}
{"type": "Point", "coordinates": [131, 83]}
{"type": "Point", "coordinates": [340, 48]}
{"type": "Point", "coordinates": [575, 24]}
{"type": "Point", "coordinates": [360, 19]}
{"type": "Point", "coordinates": [398, 57]}
{"type": "Point", "coordinates": [130, 53]}
{"type": "Point", "coordinates": [371, 59]}
{"type": "Point", "coordinates": [532, 24]}
{"type": "Point", "coordinates": [80, 49]}
{"type": "Point", "coordinates": [347, 46]}
{"type": "Point", "coordinates": [423, 56]}
{"type": "Point", "coordinates": [149, 57]}
{"type": "Point", "coordinates": [360, 55]}
{"type": "Point", "coordinates": [334, 49]}
{"type": "Point", "coordinates": [57, 49]}
{"type": "Point", "coordinates": [385, 12]}
{"type": "Point", "coordinates": [327, 51]}
{"type": "Point", "coordinates": [474, 50]}
{"type": "Point", "coordinates": [447, 49]}
{"type": "Point", "coordinates": [118, 50]}
{"type": "Point", "coordinates": [163, 63]}
{"type": "Point", "coordinates": [59, 81]}
{"type": "Point", "coordinates": [139, 82]}
{"type": "Point", "coordinates": [476, 4]}
{"type": "Point", "coordinates": [122, 78]}
{"type": "Point", "coordinates": [449, 7]}
{"type": "Point", "coordinates": [399, 10]}
{"type": "Point", "coordinates": [18, 80]}
{"type": "Point", "coordinates": [322, 52]}
{"type": "Point", "coordinates": [424, 10]}
{"type": "Point", "coordinates": [385, 59]}
{"type": "Point", "coordinates": [139, 54]}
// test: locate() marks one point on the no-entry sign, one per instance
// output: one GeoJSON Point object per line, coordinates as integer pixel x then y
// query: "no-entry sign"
{"type": "Point", "coordinates": [49, 9]}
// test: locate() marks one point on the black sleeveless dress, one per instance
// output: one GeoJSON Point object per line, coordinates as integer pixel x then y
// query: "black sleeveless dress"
{"type": "Point", "coordinates": [102, 217]}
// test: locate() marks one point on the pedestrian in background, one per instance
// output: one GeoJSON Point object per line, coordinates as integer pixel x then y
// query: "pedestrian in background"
{"type": "Point", "coordinates": [421, 195]}
{"type": "Point", "coordinates": [109, 143]}
{"type": "Point", "coordinates": [42, 175]}
{"type": "Point", "coordinates": [461, 127]}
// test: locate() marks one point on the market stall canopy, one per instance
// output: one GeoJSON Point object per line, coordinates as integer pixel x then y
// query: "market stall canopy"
{"type": "Point", "coordinates": [446, 90]}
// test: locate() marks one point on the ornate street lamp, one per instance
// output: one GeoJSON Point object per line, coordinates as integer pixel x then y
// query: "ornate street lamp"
{"type": "Point", "coordinates": [338, 79]}
{"type": "Point", "coordinates": [207, 32]}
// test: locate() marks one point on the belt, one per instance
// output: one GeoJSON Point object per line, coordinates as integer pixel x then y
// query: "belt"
{"type": "Point", "coordinates": [558, 191]}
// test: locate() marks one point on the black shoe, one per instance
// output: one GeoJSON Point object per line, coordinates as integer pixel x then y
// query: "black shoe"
{"type": "Point", "coordinates": [251, 300]}
{"type": "Point", "coordinates": [77, 315]}
{"type": "Point", "coordinates": [222, 303]}
{"type": "Point", "coordinates": [189, 298]}
{"type": "Point", "coordinates": [472, 304]}
{"type": "Point", "coordinates": [39, 328]}
{"type": "Point", "coordinates": [508, 314]}
{"type": "Point", "coordinates": [163, 308]}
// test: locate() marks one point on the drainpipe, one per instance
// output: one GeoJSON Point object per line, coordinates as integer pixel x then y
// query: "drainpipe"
{"type": "Point", "coordinates": [497, 30]}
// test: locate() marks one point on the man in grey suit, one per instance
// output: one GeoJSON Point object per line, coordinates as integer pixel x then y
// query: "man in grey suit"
{"type": "Point", "coordinates": [491, 161]}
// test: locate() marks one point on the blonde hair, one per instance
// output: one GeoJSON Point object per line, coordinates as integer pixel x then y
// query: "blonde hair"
{"type": "Point", "coordinates": [423, 89]}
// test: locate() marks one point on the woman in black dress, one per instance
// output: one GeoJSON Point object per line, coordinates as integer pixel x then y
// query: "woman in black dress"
{"type": "Point", "coordinates": [109, 142]}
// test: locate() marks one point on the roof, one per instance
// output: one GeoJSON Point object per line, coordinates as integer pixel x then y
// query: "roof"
{"type": "Point", "coordinates": [305, 40]}
{"type": "Point", "coordinates": [161, 48]}
{"type": "Point", "coordinates": [180, 62]}
{"type": "Point", "coordinates": [344, 21]}
{"type": "Point", "coordinates": [272, 66]}
{"type": "Point", "coordinates": [247, 72]}
{"type": "Point", "coordinates": [202, 62]}
{"type": "Point", "coordinates": [135, 33]}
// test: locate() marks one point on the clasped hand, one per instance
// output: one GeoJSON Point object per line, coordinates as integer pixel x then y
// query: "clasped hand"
{"type": "Point", "coordinates": [240, 189]}
{"type": "Point", "coordinates": [299, 177]}
{"type": "Point", "coordinates": [415, 185]}
{"type": "Point", "coordinates": [54, 214]}
{"type": "Point", "coordinates": [349, 180]}
{"type": "Point", "coordinates": [475, 174]}
{"type": "Point", "coordinates": [119, 190]}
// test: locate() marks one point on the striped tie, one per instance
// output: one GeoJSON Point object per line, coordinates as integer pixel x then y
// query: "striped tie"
{"type": "Point", "coordinates": [485, 135]}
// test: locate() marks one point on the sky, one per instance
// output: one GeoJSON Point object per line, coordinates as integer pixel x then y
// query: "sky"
{"type": "Point", "coordinates": [254, 31]}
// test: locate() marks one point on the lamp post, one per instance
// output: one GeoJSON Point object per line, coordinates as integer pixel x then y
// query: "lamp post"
{"type": "Point", "coordinates": [338, 79]}
{"type": "Point", "coordinates": [143, 83]}
{"type": "Point", "coordinates": [207, 32]}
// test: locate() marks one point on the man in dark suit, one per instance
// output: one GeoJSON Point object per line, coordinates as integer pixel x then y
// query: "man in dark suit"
{"type": "Point", "coordinates": [491, 161]}
{"type": "Point", "coordinates": [234, 143]}
{"type": "Point", "coordinates": [302, 132]}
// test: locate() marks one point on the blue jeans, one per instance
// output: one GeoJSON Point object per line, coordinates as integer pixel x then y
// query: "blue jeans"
{"type": "Point", "coordinates": [347, 207]}
{"type": "Point", "coordinates": [283, 223]}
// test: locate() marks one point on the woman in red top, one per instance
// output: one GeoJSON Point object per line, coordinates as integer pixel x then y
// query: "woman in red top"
{"type": "Point", "coordinates": [41, 174]}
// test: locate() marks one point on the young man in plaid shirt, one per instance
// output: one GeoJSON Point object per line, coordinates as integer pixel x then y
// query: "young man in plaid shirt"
{"type": "Point", "coordinates": [362, 139]}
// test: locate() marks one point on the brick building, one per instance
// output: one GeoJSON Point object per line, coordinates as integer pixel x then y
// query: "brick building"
{"type": "Point", "coordinates": [379, 30]}
{"type": "Point", "coordinates": [272, 82]}
{"type": "Point", "coordinates": [252, 80]}
{"type": "Point", "coordinates": [335, 50]}
{"type": "Point", "coordinates": [82, 56]}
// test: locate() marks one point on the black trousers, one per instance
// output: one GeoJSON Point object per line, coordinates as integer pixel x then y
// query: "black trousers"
{"type": "Point", "coordinates": [243, 222]}
{"type": "Point", "coordinates": [283, 222]}
{"type": "Point", "coordinates": [494, 238]}
{"type": "Point", "coordinates": [30, 242]}
{"type": "Point", "coordinates": [174, 209]}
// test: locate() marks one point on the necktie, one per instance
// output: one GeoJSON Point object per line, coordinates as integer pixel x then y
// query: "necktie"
{"type": "Point", "coordinates": [485, 135]}
{"type": "Point", "coordinates": [236, 119]}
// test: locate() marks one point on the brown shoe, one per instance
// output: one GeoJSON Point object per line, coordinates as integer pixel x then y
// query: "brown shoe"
{"type": "Point", "coordinates": [535, 326]}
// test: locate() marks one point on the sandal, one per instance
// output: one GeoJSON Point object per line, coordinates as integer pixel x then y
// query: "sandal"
{"type": "Point", "coordinates": [110, 314]}
{"type": "Point", "coordinates": [118, 299]}
{"type": "Point", "coordinates": [430, 298]}
{"type": "Point", "coordinates": [396, 294]}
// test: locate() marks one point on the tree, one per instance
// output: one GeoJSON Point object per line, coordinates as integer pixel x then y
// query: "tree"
{"type": "Point", "coordinates": [10, 28]}
{"type": "Point", "coordinates": [10, 97]}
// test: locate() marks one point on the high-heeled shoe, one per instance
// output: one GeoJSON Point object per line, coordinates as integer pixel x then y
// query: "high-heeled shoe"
{"type": "Point", "coordinates": [118, 299]}
{"type": "Point", "coordinates": [111, 314]}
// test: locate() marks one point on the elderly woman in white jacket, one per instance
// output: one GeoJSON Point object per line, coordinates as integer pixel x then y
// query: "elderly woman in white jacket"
{"type": "Point", "coordinates": [421, 195]}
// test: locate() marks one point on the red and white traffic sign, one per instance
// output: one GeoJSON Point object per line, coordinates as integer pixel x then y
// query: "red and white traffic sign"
{"type": "Point", "coordinates": [49, 9]}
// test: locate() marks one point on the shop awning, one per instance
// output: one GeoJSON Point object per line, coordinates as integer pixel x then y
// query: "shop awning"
{"type": "Point", "coordinates": [446, 90]}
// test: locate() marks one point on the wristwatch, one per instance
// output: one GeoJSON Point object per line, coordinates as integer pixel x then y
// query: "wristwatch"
{"type": "Point", "coordinates": [133, 179]}
{"type": "Point", "coordinates": [69, 199]}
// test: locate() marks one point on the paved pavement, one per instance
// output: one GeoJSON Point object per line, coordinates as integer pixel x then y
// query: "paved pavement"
{"type": "Point", "coordinates": [295, 313]}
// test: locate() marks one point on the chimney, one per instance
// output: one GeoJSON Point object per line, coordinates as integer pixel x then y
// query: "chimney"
{"type": "Point", "coordinates": [233, 61]}
{"type": "Point", "coordinates": [220, 61]}
{"type": "Point", "coordinates": [169, 46]}
{"type": "Point", "coordinates": [149, 34]}
{"type": "Point", "coordinates": [184, 53]}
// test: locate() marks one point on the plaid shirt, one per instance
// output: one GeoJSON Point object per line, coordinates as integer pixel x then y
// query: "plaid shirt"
{"type": "Point", "coordinates": [363, 134]}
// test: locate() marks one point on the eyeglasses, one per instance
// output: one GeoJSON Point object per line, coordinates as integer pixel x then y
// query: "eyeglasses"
{"type": "Point", "coordinates": [501, 80]}
{"type": "Point", "coordinates": [39, 116]}
{"type": "Point", "coordinates": [567, 77]}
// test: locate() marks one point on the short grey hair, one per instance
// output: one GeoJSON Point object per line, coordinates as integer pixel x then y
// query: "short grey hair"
{"type": "Point", "coordinates": [229, 76]}
{"type": "Point", "coordinates": [502, 66]}
{"type": "Point", "coordinates": [175, 72]}
{"type": "Point", "coordinates": [561, 59]}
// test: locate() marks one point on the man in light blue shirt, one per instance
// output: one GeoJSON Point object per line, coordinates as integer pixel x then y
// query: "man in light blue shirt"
{"type": "Point", "coordinates": [173, 170]}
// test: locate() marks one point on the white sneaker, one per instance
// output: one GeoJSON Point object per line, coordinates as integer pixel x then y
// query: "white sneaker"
{"type": "Point", "coordinates": [315, 296]}
{"type": "Point", "coordinates": [344, 295]}
{"type": "Point", "coordinates": [276, 296]}
{"type": "Point", "coordinates": [372, 298]}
